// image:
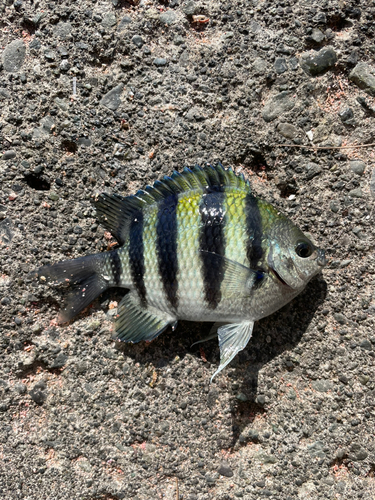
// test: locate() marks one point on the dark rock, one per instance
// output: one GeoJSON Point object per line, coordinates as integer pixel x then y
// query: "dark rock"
{"type": "Point", "coordinates": [225, 470]}
{"type": "Point", "coordinates": [357, 453]}
{"type": "Point", "coordinates": [366, 344]}
{"type": "Point", "coordinates": [356, 193]}
{"type": "Point", "coordinates": [316, 37]}
{"type": "Point", "coordinates": [320, 18]}
{"type": "Point", "coordinates": [138, 41]}
{"type": "Point", "coordinates": [363, 76]}
{"type": "Point", "coordinates": [340, 318]}
{"type": "Point", "coordinates": [14, 56]}
{"type": "Point", "coordinates": [8, 155]}
{"type": "Point", "coordinates": [59, 361]}
{"type": "Point", "coordinates": [38, 393]}
{"type": "Point", "coordinates": [20, 388]}
{"type": "Point", "coordinates": [277, 105]}
{"type": "Point", "coordinates": [316, 63]}
{"type": "Point", "coordinates": [191, 8]}
{"type": "Point", "coordinates": [280, 65]}
{"type": "Point", "coordinates": [346, 115]}
{"type": "Point", "coordinates": [111, 99]}
{"type": "Point", "coordinates": [169, 17]}
{"type": "Point", "coordinates": [312, 170]}
{"type": "Point", "coordinates": [357, 167]}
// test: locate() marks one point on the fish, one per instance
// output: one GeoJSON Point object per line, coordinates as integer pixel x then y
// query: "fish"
{"type": "Point", "coordinates": [195, 246]}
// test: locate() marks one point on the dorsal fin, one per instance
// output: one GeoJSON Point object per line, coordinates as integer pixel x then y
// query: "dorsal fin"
{"type": "Point", "coordinates": [116, 212]}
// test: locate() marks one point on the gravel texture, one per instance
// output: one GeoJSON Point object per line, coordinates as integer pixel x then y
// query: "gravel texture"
{"type": "Point", "coordinates": [113, 95]}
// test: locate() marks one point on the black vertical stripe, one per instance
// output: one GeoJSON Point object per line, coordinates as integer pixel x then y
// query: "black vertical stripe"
{"type": "Point", "coordinates": [166, 244]}
{"type": "Point", "coordinates": [136, 257]}
{"type": "Point", "coordinates": [212, 241]}
{"type": "Point", "coordinates": [116, 267]}
{"type": "Point", "coordinates": [254, 232]}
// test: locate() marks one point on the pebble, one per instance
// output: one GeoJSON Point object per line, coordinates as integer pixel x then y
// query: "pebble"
{"type": "Point", "coordinates": [277, 105]}
{"type": "Point", "coordinates": [316, 450]}
{"type": "Point", "coordinates": [160, 61]}
{"type": "Point", "coordinates": [287, 130]}
{"type": "Point", "coordinates": [225, 470]}
{"type": "Point", "coordinates": [363, 75]}
{"type": "Point", "coordinates": [14, 56]}
{"type": "Point", "coordinates": [357, 167]}
{"type": "Point", "coordinates": [346, 116]}
{"type": "Point", "coordinates": [8, 155]}
{"type": "Point", "coordinates": [191, 8]}
{"type": "Point", "coordinates": [317, 36]}
{"type": "Point", "coordinates": [138, 41]}
{"type": "Point", "coordinates": [312, 170]}
{"type": "Point", "coordinates": [111, 99]}
{"type": "Point", "coordinates": [356, 193]}
{"type": "Point", "coordinates": [38, 393]}
{"type": "Point", "coordinates": [357, 453]}
{"type": "Point", "coordinates": [280, 65]}
{"type": "Point", "coordinates": [366, 344]}
{"type": "Point", "coordinates": [169, 17]}
{"type": "Point", "coordinates": [316, 63]}
{"type": "Point", "coordinates": [109, 20]}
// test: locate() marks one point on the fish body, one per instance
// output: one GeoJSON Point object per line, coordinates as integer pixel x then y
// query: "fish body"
{"type": "Point", "coordinates": [196, 246]}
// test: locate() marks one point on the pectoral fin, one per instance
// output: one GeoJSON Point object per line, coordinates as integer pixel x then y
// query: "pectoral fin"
{"type": "Point", "coordinates": [237, 280]}
{"type": "Point", "coordinates": [232, 339]}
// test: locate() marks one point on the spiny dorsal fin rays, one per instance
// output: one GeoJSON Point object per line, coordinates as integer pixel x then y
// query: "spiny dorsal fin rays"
{"type": "Point", "coordinates": [115, 212]}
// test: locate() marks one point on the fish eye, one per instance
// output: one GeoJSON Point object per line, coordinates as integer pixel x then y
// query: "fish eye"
{"type": "Point", "coordinates": [304, 249]}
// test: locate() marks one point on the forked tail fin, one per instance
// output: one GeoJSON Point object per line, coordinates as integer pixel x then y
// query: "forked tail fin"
{"type": "Point", "coordinates": [87, 276]}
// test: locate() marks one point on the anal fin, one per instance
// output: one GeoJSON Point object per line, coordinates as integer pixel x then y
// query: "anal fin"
{"type": "Point", "coordinates": [134, 323]}
{"type": "Point", "coordinates": [232, 339]}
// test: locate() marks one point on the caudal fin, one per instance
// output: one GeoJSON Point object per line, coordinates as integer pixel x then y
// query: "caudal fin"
{"type": "Point", "coordinates": [87, 277]}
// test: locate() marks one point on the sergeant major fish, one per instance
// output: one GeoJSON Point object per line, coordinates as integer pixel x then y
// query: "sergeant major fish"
{"type": "Point", "coordinates": [195, 246]}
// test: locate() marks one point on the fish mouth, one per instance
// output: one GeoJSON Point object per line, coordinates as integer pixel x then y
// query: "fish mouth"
{"type": "Point", "coordinates": [278, 277]}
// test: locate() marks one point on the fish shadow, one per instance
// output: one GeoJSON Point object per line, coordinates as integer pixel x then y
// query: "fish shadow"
{"type": "Point", "coordinates": [279, 333]}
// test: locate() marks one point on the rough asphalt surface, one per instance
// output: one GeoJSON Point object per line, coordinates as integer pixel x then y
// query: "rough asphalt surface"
{"type": "Point", "coordinates": [110, 96]}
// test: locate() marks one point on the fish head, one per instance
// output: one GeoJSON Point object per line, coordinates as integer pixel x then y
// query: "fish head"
{"type": "Point", "coordinates": [292, 257]}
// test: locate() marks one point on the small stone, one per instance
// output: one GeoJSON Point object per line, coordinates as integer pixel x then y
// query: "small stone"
{"type": "Point", "coordinates": [59, 361]}
{"type": "Point", "coordinates": [357, 167]}
{"type": "Point", "coordinates": [169, 17]}
{"type": "Point", "coordinates": [316, 36]}
{"type": "Point", "coordinates": [363, 76]}
{"type": "Point", "coordinates": [191, 8]}
{"type": "Point", "coordinates": [340, 318]}
{"type": "Point", "coordinates": [14, 56]}
{"type": "Point", "coordinates": [277, 105]}
{"type": "Point", "coordinates": [260, 66]}
{"type": "Point", "coordinates": [50, 55]}
{"type": "Point", "coordinates": [287, 130]}
{"type": "Point", "coordinates": [20, 388]}
{"type": "Point", "coordinates": [334, 207]}
{"type": "Point", "coordinates": [357, 453]}
{"type": "Point", "coordinates": [280, 65]}
{"type": "Point", "coordinates": [111, 99]}
{"type": "Point", "coordinates": [53, 196]}
{"type": "Point", "coordinates": [366, 344]}
{"type": "Point", "coordinates": [8, 155]}
{"type": "Point", "coordinates": [225, 470]}
{"type": "Point", "coordinates": [160, 61]}
{"type": "Point", "coordinates": [312, 170]}
{"type": "Point", "coordinates": [64, 66]}
{"type": "Point", "coordinates": [37, 393]}
{"type": "Point", "coordinates": [260, 399]}
{"type": "Point", "coordinates": [242, 397]}
{"type": "Point", "coordinates": [356, 193]}
{"type": "Point", "coordinates": [346, 115]}
{"type": "Point", "coordinates": [109, 20]}
{"type": "Point", "coordinates": [84, 465]}
{"type": "Point", "coordinates": [320, 18]}
{"type": "Point", "coordinates": [316, 63]}
{"type": "Point", "coordinates": [138, 41]}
